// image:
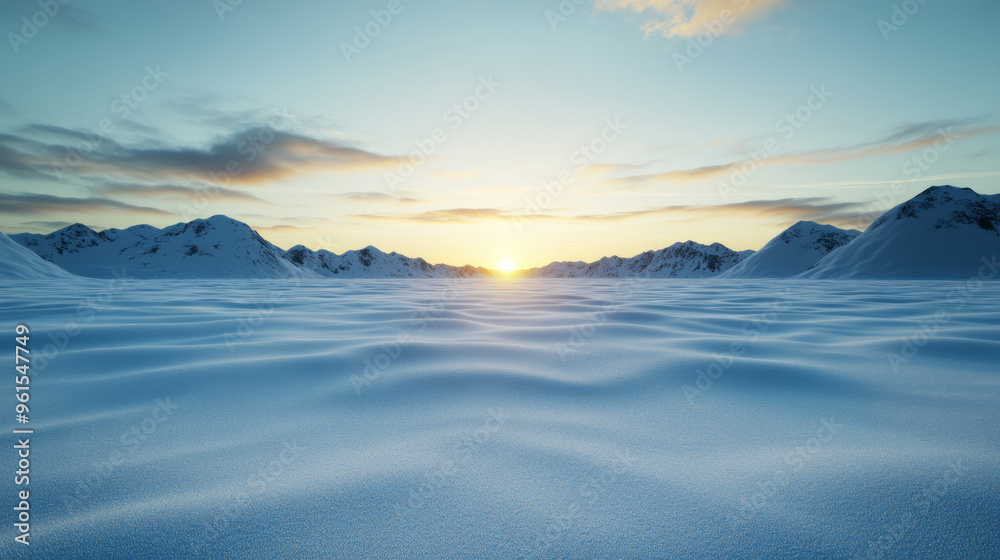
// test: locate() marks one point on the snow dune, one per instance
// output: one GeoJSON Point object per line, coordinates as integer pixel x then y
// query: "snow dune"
{"type": "Point", "coordinates": [18, 263]}
{"type": "Point", "coordinates": [467, 419]}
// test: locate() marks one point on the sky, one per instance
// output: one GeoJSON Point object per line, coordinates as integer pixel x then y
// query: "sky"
{"type": "Point", "coordinates": [522, 131]}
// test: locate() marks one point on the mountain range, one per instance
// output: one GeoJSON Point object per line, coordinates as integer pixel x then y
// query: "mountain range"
{"type": "Point", "coordinates": [944, 232]}
{"type": "Point", "coordinates": [680, 260]}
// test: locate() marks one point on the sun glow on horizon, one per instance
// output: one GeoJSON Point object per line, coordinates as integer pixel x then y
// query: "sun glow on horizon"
{"type": "Point", "coordinates": [506, 265]}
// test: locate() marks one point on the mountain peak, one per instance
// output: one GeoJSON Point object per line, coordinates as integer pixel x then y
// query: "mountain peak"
{"type": "Point", "coordinates": [946, 189]}
{"type": "Point", "coordinates": [946, 207]}
{"type": "Point", "coordinates": [792, 251]}
{"type": "Point", "coordinates": [221, 220]}
{"type": "Point", "coordinates": [806, 224]}
{"type": "Point", "coordinates": [74, 230]}
{"type": "Point", "coordinates": [943, 232]}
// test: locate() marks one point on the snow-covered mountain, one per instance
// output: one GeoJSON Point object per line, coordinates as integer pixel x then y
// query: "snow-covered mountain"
{"type": "Point", "coordinates": [943, 232]}
{"type": "Point", "coordinates": [680, 260]}
{"type": "Point", "coordinates": [373, 263]}
{"type": "Point", "coordinates": [792, 252]}
{"type": "Point", "coordinates": [218, 247]}
{"type": "Point", "coordinates": [18, 263]}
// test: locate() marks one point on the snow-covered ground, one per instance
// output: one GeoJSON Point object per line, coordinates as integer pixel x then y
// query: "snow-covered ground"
{"type": "Point", "coordinates": [479, 418]}
{"type": "Point", "coordinates": [16, 263]}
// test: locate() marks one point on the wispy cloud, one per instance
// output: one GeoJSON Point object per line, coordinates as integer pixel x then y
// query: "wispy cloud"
{"type": "Point", "coordinates": [907, 138]}
{"type": "Point", "coordinates": [687, 18]}
{"type": "Point", "coordinates": [381, 197]}
{"type": "Point", "coordinates": [903, 139]}
{"type": "Point", "coordinates": [284, 228]}
{"type": "Point", "coordinates": [177, 191]}
{"type": "Point", "coordinates": [448, 215]}
{"type": "Point", "coordinates": [367, 196]}
{"type": "Point", "coordinates": [49, 226]}
{"type": "Point", "coordinates": [258, 155]}
{"type": "Point", "coordinates": [785, 209]}
{"type": "Point", "coordinates": [44, 203]}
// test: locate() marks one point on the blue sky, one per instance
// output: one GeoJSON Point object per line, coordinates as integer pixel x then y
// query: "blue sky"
{"type": "Point", "coordinates": [317, 138]}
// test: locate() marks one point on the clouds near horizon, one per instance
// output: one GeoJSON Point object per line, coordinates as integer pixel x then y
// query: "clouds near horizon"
{"type": "Point", "coordinates": [47, 204]}
{"type": "Point", "coordinates": [250, 156]}
{"type": "Point", "coordinates": [785, 210]}
{"type": "Point", "coordinates": [905, 138]}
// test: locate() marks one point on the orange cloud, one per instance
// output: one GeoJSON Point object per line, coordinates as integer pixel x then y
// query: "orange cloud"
{"type": "Point", "coordinates": [687, 18]}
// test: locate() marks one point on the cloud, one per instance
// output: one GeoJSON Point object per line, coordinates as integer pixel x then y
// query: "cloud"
{"type": "Point", "coordinates": [786, 209]}
{"type": "Point", "coordinates": [223, 113]}
{"type": "Point", "coordinates": [808, 208]}
{"type": "Point", "coordinates": [449, 215]}
{"type": "Point", "coordinates": [906, 138]}
{"type": "Point", "coordinates": [44, 203]}
{"type": "Point", "coordinates": [367, 196]}
{"type": "Point", "coordinates": [694, 174]}
{"type": "Point", "coordinates": [282, 229]}
{"type": "Point", "coordinates": [49, 226]}
{"type": "Point", "coordinates": [178, 191]}
{"type": "Point", "coordinates": [687, 18]}
{"type": "Point", "coordinates": [377, 196]}
{"type": "Point", "coordinates": [18, 163]}
{"type": "Point", "coordinates": [903, 139]}
{"type": "Point", "coordinates": [252, 156]}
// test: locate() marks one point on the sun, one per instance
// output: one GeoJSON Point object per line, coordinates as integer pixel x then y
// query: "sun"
{"type": "Point", "coordinates": [506, 265]}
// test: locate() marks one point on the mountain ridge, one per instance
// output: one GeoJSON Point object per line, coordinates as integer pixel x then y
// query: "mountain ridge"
{"type": "Point", "coordinates": [792, 252]}
{"type": "Point", "coordinates": [943, 232]}
{"type": "Point", "coordinates": [221, 247]}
